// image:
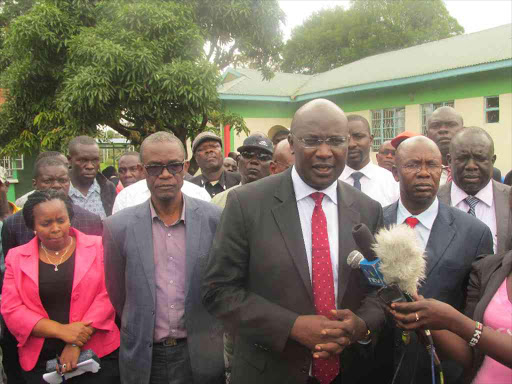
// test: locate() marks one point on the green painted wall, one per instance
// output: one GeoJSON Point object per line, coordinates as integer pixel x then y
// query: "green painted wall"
{"type": "Point", "coordinates": [25, 176]}
{"type": "Point", "coordinates": [474, 85]}
{"type": "Point", "coordinates": [260, 109]}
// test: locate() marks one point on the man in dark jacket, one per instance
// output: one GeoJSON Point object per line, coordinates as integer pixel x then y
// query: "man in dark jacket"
{"type": "Point", "coordinates": [207, 150]}
{"type": "Point", "coordinates": [89, 188]}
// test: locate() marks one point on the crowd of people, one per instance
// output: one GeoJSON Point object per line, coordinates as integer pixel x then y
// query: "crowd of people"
{"type": "Point", "coordinates": [239, 274]}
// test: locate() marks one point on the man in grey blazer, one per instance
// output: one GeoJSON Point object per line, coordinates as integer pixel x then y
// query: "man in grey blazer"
{"type": "Point", "coordinates": [452, 241]}
{"type": "Point", "coordinates": [471, 159]}
{"type": "Point", "coordinates": [261, 273]}
{"type": "Point", "coordinates": [154, 256]}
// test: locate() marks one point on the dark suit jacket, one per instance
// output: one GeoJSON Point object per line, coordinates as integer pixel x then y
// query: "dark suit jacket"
{"type": "Point", "coordinates": [130, 281]}
{"type": "Point", "coordinates": [486, 277]}
{"type": "Point", "coordinates": [455, 241]}
{"type": "Point", "coordinates": [501, 204]}
{"type": "Point", "coordinates": [15, 232]}
{"type": "Point", "coordinates": [257, 278]}
{"type": "Point", "coordinates": [496, 174]}
{"type": "Point", "coordinates": [107, 193]}
{"type": "Point", "coordinates": [227, 180]}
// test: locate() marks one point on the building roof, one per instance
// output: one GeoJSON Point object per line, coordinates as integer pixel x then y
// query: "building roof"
{"type": "Point", "coordinates": [474, 52]}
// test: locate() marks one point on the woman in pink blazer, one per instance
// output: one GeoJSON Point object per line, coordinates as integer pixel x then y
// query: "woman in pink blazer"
{"type": "Point", "coordinates": [54, 299]}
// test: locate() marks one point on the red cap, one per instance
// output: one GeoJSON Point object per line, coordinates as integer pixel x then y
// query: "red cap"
{"type": "Point", "coordinates": [403, 136]}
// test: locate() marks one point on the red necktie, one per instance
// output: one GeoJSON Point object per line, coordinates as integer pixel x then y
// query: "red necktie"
{"type": "Point", "coordinates": [412, 221]}
{"type": "Point", "coordinates": [325, 371]}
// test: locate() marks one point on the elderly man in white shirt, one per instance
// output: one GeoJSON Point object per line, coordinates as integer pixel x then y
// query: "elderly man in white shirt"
{"type": "Point", "coordinates": [138, 193]}
{"type": "Point", "coordinates": [374, 181]}
{"type": "Point", "coordinates": [471, 158]}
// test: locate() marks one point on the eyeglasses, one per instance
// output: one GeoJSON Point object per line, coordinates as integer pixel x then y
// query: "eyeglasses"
{"type": "Point", "coordinates": [417, 167]}
{"type": "Point", "coordinates": [172, 168]}
{"type": "Point", "coordinates": [261, 156]}
{"type": "Point", "coordinates": [313, 142]}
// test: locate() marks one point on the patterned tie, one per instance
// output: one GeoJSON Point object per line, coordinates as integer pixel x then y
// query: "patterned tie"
{"type": "Point", "coordinates": [412, 221]}
{"type": "Point", "coordinates": [472, 201]}
{"type": "Point", "coordinates": [357, 177]}
{"type": "Point", "coordinates": [325, 371]}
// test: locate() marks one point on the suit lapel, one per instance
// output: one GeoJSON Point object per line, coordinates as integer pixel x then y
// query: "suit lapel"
{"type": "Point", "coordinates": [495, 280]}
{"type": "Point", "coordinates": [440, 238]}
{"type": "Point", "coordinates": [193, 225]}
{"type": "Point", "coordinates": [500, 196]}
{"type": "Point", "coordinates": [29, 262]}
{"type": "Point", "coordinates": [287, 218]}
{"type": "Point", "coordinates": [390, 214]}
{"type": "Point", "coordinates": [143, 232]}
{"type": "Point", "coordinates": [85, 259]}
{"type": "Point", "coordinates": [347, 218]}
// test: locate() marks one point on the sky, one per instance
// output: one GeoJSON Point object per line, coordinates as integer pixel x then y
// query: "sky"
{"type": "Point", "coordinates": [473, 15]}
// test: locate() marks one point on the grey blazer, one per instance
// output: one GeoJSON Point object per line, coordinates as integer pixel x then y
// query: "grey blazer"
{"type": "Point", "coordinates": [455, 241]}
{"type": "Point", "coordinates": [130, 281]}
{"type": "Point", "coordinates": [501, 204]}
{"type": "Point", "coordinates": [257, 279]}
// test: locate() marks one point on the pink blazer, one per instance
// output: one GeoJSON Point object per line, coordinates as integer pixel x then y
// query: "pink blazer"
{"type": "Point", "coordinates": [22, 307]}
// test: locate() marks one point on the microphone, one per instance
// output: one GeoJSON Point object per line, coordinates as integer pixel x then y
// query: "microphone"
{"type": "Point", "coordinates": [367, 261]}
{"type": "Point", "coordinates": [402, 260]}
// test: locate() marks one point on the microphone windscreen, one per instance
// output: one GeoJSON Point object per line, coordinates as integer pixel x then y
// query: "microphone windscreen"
{"type": "Point", "coordinates": [354, 258]}
{"type": "Point", "coordinates": [402, 258]}
{"type": "Point", "coordinates": [364, 240]}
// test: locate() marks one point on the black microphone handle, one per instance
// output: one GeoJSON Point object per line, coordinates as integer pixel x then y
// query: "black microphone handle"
{"type": "Point", "coordinates": [364, 240]}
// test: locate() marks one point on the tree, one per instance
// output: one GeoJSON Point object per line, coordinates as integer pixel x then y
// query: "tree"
{"type": "Point", "coordinates": [136, 66]}
{"type": "Point", "coordinates": [334, 37]}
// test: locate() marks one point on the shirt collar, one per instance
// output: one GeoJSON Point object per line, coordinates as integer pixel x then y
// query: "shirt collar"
{"type": "Point", "coordinates": [426, 218]}
{"type": "Point", "coordinates": [221, 181]}
{"type": "Point", "coordinates": [302, 190]}
{"type": "Point", "coordinates": [368, 170]}
{"type": "Point", "coordinates": [154, 214]}
{"type": "Point", "coordinates": [485, 194]}
{"type": "Point", "coordinates": [95, 187]}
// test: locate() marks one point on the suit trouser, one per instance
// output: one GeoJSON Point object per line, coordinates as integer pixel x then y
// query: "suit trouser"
{"type": "Point", "coordinates": [171, 364]}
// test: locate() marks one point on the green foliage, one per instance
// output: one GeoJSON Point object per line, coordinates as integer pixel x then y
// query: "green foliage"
{"type": "Point", "coordinates": [334, 37]}
{"type": "Point", "coordinates": [137, 66]}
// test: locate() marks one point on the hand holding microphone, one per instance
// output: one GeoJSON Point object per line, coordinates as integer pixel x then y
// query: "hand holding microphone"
{"type": "Point", "coordinates": [424, 313]}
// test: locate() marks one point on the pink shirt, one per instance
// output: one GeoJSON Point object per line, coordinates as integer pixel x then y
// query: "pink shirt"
{"type": "Point", "coordinates": [169, 249]}
{"type": "Point", "coordinates": [497, 316]}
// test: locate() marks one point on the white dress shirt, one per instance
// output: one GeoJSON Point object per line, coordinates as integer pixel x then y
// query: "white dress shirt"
{"type": "Point", "coordinates": [444, 177]}
{"type": "Point", "coordinates": [377, 183]}
{"type": "Point", "coordinates": [306, 205]}
{"type": "Point", "coordinates": [484, 210]}
{"type": "Point", "coordinates": [138, 193]}
{"type": "Point", "coordinates": [426, 220]}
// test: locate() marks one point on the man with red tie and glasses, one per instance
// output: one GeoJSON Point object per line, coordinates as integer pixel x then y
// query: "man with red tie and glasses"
{"type": "Point", "coordinates": [277, 273]}
{"type": "Point", "coordinates": [451, 238]}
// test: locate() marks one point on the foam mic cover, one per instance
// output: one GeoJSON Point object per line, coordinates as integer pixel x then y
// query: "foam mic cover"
{"type": "Point", "coordinates": [402, 260]}
{"type": "Point", "coordinates": [364, 240]}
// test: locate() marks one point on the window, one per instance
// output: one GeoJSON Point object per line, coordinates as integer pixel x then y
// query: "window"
{"type": "Point", "coordinates": [427, 109]}
{"type": "Point", "coordinates": [492, 109]}
{"type": "Point", "coordinates": [11, 164]}
{"type": "Point", "coordinates": [386, 124]}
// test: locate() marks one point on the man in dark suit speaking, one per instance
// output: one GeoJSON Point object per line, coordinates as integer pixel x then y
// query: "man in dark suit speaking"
{"type": "Point", "coordinates": [277, 274]}
{"type": "Point", "coordinates": [451, 238]}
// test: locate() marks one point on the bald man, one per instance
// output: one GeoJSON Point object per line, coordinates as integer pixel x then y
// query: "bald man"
{"type": "Point", "coordinates": [452, 240]}
{"type": "Point", "coordinates": [283, 158]}
{"type": "Point", "coordinates": [278, 264]}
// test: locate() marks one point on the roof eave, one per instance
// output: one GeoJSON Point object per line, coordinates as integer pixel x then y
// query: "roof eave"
{"type": "Point", "coordinates": [408, 80]}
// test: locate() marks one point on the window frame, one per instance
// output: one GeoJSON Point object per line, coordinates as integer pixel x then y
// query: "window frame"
{"type": "Point", "coordinates": [493, 109]}
{"type": "Point", "coordinates": [398, 126]}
